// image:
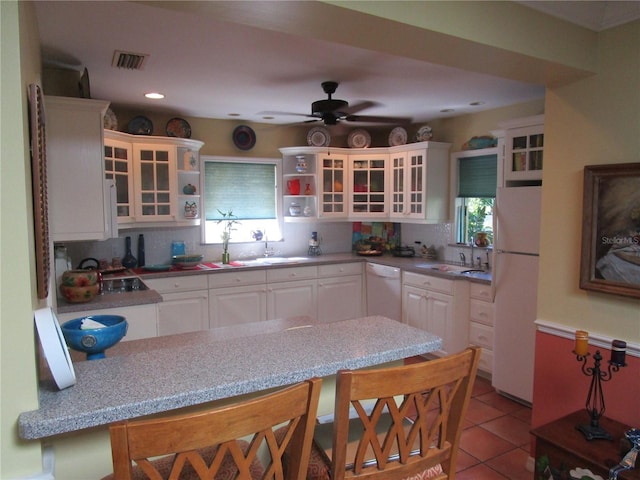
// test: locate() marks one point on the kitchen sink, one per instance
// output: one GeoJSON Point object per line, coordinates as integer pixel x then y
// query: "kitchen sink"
{"type": "Point", "coordinates": [445, 268]}
{"type": "Point", "coordinates": [123, 285]}
{"type": "Point", "coordinates": [273, 260]}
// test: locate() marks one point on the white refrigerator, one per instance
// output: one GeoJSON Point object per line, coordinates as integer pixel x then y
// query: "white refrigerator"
{"type": "Point", "coordinates": [517, 217]}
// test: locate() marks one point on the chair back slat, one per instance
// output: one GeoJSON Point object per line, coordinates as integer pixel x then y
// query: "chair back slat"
{"type": "Point", "coordinates": [434, 394]}
{"type": "Point", "coordinates": [228, 441]}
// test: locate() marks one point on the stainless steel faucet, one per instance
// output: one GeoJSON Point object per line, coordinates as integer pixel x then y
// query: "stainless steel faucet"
{"type": "Point", "coordinates": [268, 252]}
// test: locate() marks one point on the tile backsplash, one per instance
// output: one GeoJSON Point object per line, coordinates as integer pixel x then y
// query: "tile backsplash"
{"type": "Point", "coordinates": [335, 237]}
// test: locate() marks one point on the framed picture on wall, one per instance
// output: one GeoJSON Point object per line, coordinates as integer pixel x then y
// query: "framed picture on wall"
{"type": "Point", "coordinates": [610, 261]}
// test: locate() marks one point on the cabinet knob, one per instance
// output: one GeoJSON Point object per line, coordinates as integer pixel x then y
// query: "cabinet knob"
{"type": "Point", "coordinates": [176, 285]}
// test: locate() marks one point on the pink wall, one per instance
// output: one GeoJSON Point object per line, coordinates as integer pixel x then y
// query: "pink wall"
{"type": "Point", "coordinates": [561, 388]}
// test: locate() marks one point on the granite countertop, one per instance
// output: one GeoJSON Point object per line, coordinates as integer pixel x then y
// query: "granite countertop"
{"type": "Point", "coordinates": [158, 374]}
{"type": "Point", "coordinates": [411, 264]}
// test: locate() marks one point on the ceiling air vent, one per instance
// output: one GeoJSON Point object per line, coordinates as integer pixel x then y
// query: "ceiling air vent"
{"type": "Point", "coordinates": [128, 60]}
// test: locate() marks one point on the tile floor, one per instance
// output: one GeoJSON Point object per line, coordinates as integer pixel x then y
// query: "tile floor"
{"type": "Point", "coordinates": [495, 440]}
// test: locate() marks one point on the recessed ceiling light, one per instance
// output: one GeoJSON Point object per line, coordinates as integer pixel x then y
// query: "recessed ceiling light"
{"type": "Point", "coordinates": [475, 104]}
{"type": "Point", "coordinates": [447, 110]}
{"type": "Point", "coordinates": [154, 95]}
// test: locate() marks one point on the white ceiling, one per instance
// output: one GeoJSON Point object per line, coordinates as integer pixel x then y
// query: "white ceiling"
{"type": "Point", "coordinates": [210, 68]}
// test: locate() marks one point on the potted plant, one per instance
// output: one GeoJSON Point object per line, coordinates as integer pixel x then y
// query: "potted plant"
{"type": "Point", "coordinates": [229, 220]}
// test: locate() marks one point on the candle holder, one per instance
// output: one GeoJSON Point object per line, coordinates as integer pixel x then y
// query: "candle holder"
{"type": "Point", "coordinates": [595, 398]}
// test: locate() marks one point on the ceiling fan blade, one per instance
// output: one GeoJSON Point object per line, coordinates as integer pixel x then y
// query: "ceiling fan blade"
{"type": "Point", "coordinates": [288, 114]}
{"type": "Point", "coordinates": [358, 107]}
{"type": "Point", "coordinates": [374, 119]}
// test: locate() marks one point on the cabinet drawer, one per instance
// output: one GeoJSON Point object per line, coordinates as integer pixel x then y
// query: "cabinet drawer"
{"type": "Point", "coordinates": [293, 273]}
{"type": "Point", "coordinates": [481, 312]}
{"type": "Point", "coordinates": [481, 335]}
{"type": "Point", "coordinates": [486, 361]}
{"type": "Point", "coordinates": [235, 277]}
{"type": "Point", "coordinates": [185, 283]}
{"type": "Point", "coordinates": [480, 291]}
{"type": "Point", "coordinates": [428, 282]}
{"type": "Point", "coordinates": [339, 269]}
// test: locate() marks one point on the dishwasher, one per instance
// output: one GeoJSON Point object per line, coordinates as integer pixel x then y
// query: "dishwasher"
{"type": "Point", "coordinates": [383, 291]}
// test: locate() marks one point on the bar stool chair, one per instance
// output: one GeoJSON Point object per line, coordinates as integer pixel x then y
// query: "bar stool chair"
{"type": "Point", "coordinates": [213, 444]}
{"type": "Point", "coordinates": [396, 423]}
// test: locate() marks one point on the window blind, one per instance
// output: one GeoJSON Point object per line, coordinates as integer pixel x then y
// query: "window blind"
{"type": "Point", "coordinates": [246, 189]}
{"type": "Point", "coordinates": [477, 176]}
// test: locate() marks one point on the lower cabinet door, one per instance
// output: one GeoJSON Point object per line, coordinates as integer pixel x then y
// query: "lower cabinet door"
{"type": "Point", "coordinates": [183, 312]}
{"type": "Point", "coordinates": [430, 311]}
{"type": "Point", "coordinates": [340, 298]}
{"type": "Point", "coordinates": [237, 305]}
{"type": "Point", "coordinates": [290, 299]}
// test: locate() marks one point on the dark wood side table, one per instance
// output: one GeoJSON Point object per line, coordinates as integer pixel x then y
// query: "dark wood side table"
{"type": "Point", "coordinates": [567, 447]}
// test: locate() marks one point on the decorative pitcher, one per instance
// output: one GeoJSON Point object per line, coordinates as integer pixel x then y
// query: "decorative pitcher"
{"type": "Point", "coordinates": [294, 186]}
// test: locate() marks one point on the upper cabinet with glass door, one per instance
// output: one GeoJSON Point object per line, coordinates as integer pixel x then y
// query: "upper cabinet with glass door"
{"type": "Point", "coordinates": [419, 186]}
{"type": "Point", "coordinates": [157, 179]}
{"type": "Point", "coordinates": [368, 190]}
{"type": "Point", "coordinates": [314, 183]}
{"type": "Point", "coordinates": [524, 150]}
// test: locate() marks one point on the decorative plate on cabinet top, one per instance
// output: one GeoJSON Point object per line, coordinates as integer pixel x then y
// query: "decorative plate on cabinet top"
{"type": "Point", "coordinates": [359, 138]}
{"type": "Point", "coordinates": [110, 120]}
{"type": "Point", "coordinates": [424, 134]}
{"type": "Point", "coordinates": [318, 137]}
{"type": "Point", "coordinates": [140, 125]}
{"type": "Point", "coordinates": [178, 127]}
{"type": "Point", "coordinates": [398, 136]}
{"type": "Point", "coordinates": [244, 137]}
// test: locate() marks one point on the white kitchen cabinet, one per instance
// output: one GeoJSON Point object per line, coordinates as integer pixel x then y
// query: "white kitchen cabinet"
{"type": "Point", "coordinates": [368, 189]}
{"type": "Point", "coordinates": [151, 175]}
{"type": "Point", "coordinates": [300, 187]}
{"type": "Point", "coordinates": [481, 323]}
{"type": "Point", "coordinates": [332, 197]}
{"type": "Point", "coordinates": [419, 187]}
{"type": "Point", "coordinates": [142, 320]}
{"type": "Point", "coordinates": [237, 297]}
{"type": "Point", "coordinates": [326, 177]}
{"type": "Point", "coordinates": [524, 150]}
{"type": "Point", "coordinates": [291, 292]}
{"type": "Point", "coordinates": [406, 182]}
{"type": "Point", "coordinates": [439, 306]}
{"type": "Point", "coordinates": [340, 292]}
{"type": "Point", "coordinates": [80, 200]}
{"type": "Point", "coordinates": [185, 303]}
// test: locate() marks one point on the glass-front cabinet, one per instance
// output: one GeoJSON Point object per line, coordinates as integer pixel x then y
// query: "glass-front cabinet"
{"type": "Point", "coordinates": [333, 198]}
{"type": "Point", "coordinates": [405, 182]}
{"type": "Point", "coordinates": [118, 163]}
{"type": "Point", "coordinates": [157, 178]}
{"type": "Point", "coordinates": [368, 185]}
{"type": "Point", "coordinates": [156, 174]}
{"type": "Point", "coordinates": [524, 150]}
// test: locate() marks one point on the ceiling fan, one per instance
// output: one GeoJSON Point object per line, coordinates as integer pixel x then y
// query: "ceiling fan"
{"type": "Point", "coordinates": [332, 110]}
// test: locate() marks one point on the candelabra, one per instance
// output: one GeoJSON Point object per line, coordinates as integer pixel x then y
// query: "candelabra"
{"type": "Point", "coordinates": [595, 398]}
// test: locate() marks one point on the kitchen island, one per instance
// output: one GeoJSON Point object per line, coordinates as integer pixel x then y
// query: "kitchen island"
{"type": "Point", "coordinates": [160, 374]}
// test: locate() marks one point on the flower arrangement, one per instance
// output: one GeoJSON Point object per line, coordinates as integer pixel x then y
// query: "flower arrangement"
{"type": "Point", "coordinates": [229, 220]}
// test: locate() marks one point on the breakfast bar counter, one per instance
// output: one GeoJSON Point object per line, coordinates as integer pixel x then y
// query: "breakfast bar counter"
{"type": "Point", "coordinates": [154, 375]}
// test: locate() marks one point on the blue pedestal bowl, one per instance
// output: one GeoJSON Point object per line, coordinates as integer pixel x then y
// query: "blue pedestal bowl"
{"type": "Point", "coordinates": [95, 341]}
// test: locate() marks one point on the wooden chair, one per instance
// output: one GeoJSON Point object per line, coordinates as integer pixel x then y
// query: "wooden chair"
{"type": "Point", "coordinates": [377, 441]}
{"type": "Point", "coordinates": [210, 444]}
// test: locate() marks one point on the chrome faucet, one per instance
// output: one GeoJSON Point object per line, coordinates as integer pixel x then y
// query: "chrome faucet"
{"type": "Point", "coordinates": [268, 252]}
